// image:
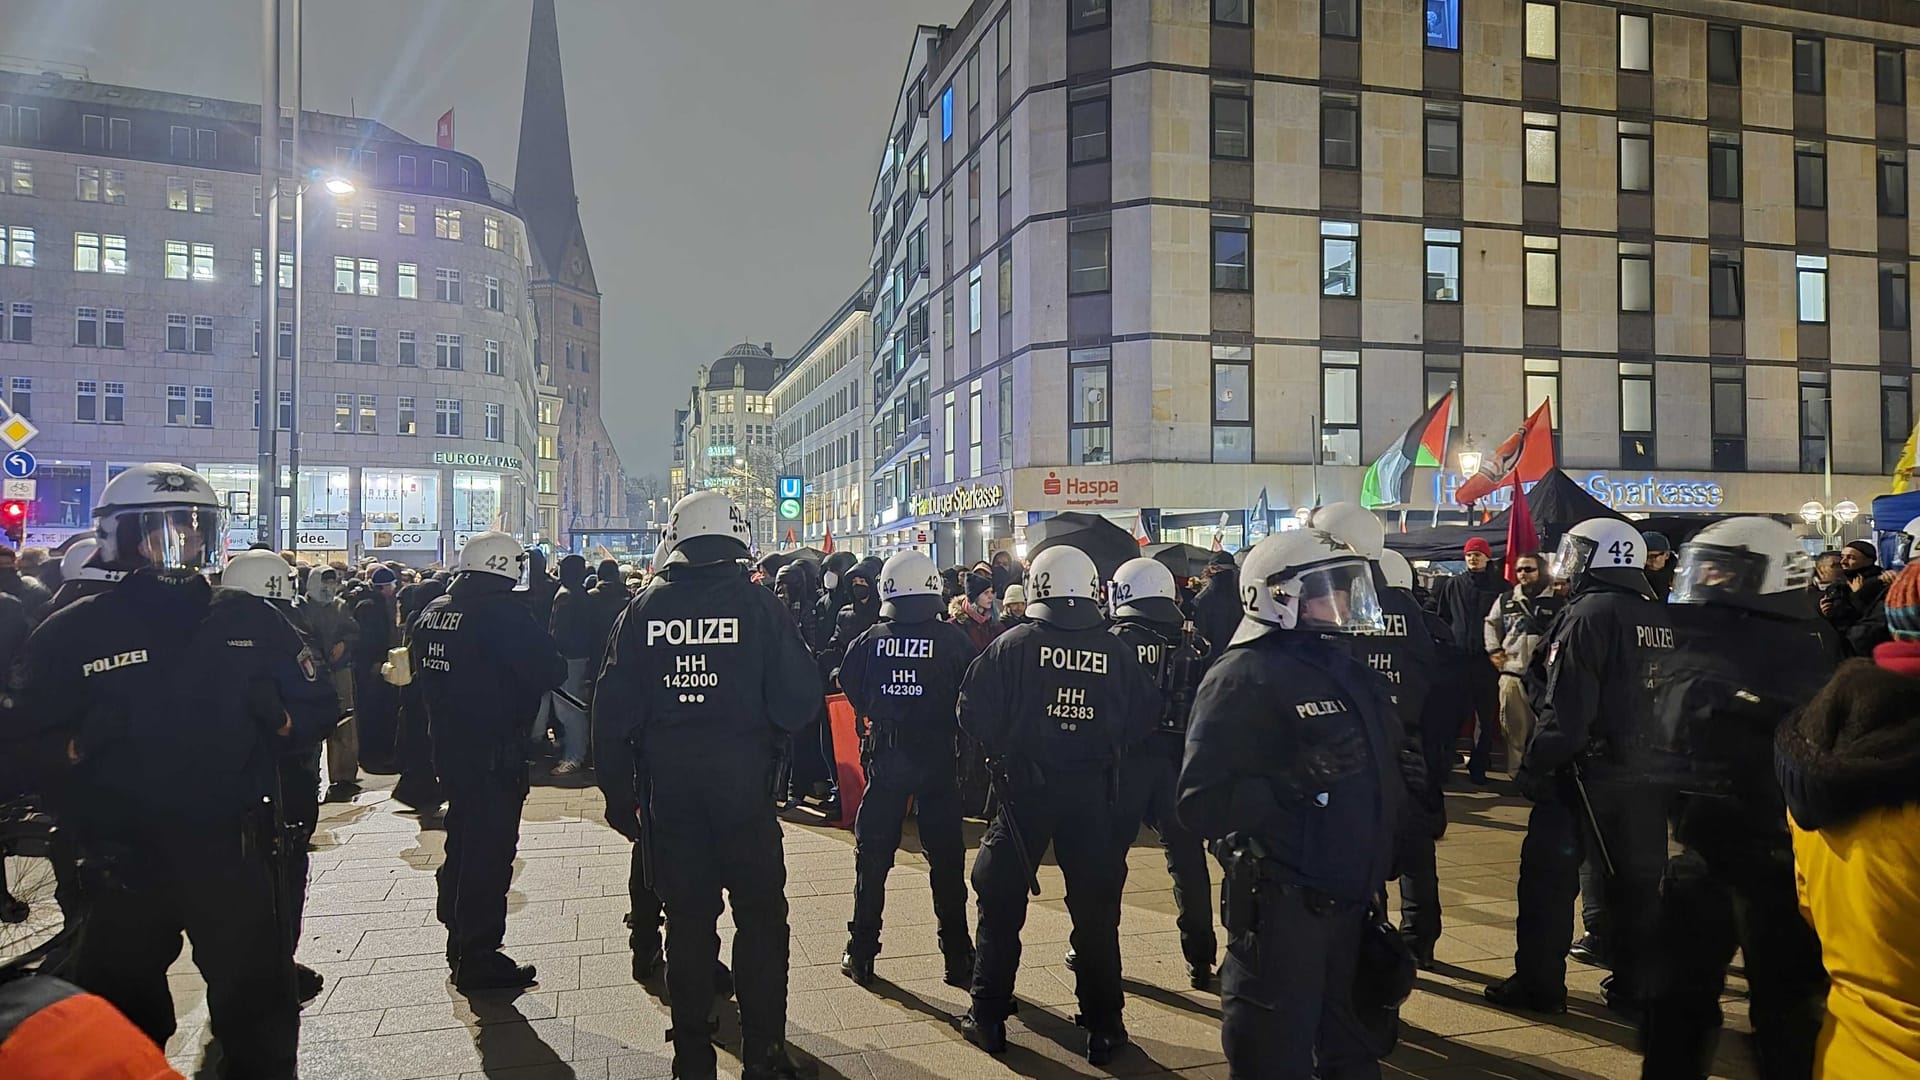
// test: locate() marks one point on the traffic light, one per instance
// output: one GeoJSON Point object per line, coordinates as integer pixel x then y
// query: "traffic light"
{"type": "Point", "coordinates": [792, 496]}
{"type": "Point", "coordinates": [13, 515]}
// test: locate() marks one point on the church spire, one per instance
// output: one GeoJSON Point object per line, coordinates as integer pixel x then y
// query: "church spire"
{"type": "Point", "coordinates": [543, 175]}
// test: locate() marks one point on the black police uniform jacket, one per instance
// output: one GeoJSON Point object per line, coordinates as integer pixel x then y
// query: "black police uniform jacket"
{"type": "Point", "coordinates": [1596, 704]}
{"type": "Point", "coordinates": [1066, 700]}
{"type": "Point", "coordinates": [704, 676]}
{"type": "Point", "coordinates": [482, 665]}
{"type": "Point", "coordinates": [1176, 666]}
{"type": "Point", "coordinates": [1295, 744]}
{"type": "Point", "coordinates": [1403, 655]}
{"type": "Point", "coordinates": [171, 696]}
{"type": "Point", "coordinates": [904, 678]}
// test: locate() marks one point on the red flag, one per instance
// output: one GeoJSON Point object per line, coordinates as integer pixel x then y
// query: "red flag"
{"type": "Point", "coordinates": [789, 542]}
{"type": "Point", "coordinates": [1527, 454]}
{"type": "Point", "coordinates": [827, 544]}
{"type": "Point", "coordinates": [443, 131]}
{"type": "Point", "coordinates": [1522, 539]}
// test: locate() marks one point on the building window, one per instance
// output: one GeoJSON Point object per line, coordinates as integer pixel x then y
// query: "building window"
{"type": "Point", "coordinates": [177, 333]}
{"type": "Point", "coordinates": [1890, 76]}
{"type": "Point", "coordinates": [343, 215]}
{"type": "Point", "coordinates": [1893, 296]}
{"type": "Point", "coordinates": [1723, 55]}
{"type": "Point", "coordinates": [973, 300]}
{"type": "Point", "coordinates": [404, 406]}
{"type": "Point", "coordinates": [1087, 118]}
{"type": "Point", "coordinates": [446, 417]}
{"type": "Point", "coordinates": [409, 355]}
{"type": "Point", "coordinates": [1004, 401]}
{"type": "Point", "coordinates": [1814, 414]}
{"type": "Point", "coordinates": [446, 285]}
{"type": "Point", "coordinates": [86, 401]}
{"type": "Point", "coordinates": [439, 173]}
{"type": "Point", "coordinates": [1089, 255]}
{"type": "Point", "coordinates": [113, 330]}
{"type": "Point", "coordinates": [1340, 18]}
{"type": "Point", "coordinates": [176, 406]}
{"type": "Point", "coordinates": [369, 415]}
{"type": "Point", "coordinates": [1636, 277]}
{"type": "Point", "coordinates": [114, 407]}
{"type": "Point", "coordinates": [446, 223]}
{"type": "Point", "coordinates": [492, 353]}
{"type": "Point", "coordinates": [1810, 175]}
{"type": "Point", "coordinates": [947, 436]}
{"type": "Point", "coordinates": [1339, 131]}
{"type": "Point", "coordinates": [176, 262]}
{"type": "Point", "coordinates": [342, 275]}
{"type": "Point", "coordinates": [86, 253]}
{"type": "Point", "coordinates": [1233, 12]}
{"type": "Point", "coordinates": [1089, 415]}
{"type": "Point", "coordinates": [1443, 265]}
{"type": "Point", "coordinates": [86, 183]}
{"type": "Point", "coordinates": [1443, 139]}
{"type": "Point", "coordinates": [1636, 415]}
{"type": "Point", "coordinates": [21, 330]}
{"type": "Point", "coordinates": [1728, 405]}
{"type": "Point", "coordinates": [1723, 165]}
{"type": "Point", "coordinates": [1442, 375]}
{"type": "Point", "coordinates": [446, 351]}
{"type": "Point", "coordinates": [1809, 66]}
{"type": "Point", "coordinates": [1232, 253]}
{"type": "Point", "coordinates": [974, 430]}
{"type": "Point", "coordinates": [1540, 384]}
{"type": "Point", "coordinates": [1543, 32]}
{"type": "Point", "coordinates": [285, 344]}
{"type": "Point", "coordinates": [1232, 119]}
{"type": "Point", "coordinates": [203, 333]}
{"type": "Point", "coordinates": [286, 270]}
{"type": "Point", "coordinates": [1893, 184]}
{"type": "Point", "coordinates": [177, 198]}
{"type": "Point", "coordinates": [403, 218]}
{"type": "Point", "coordinates": [493, 293]}
{"type": "Point", "coordinates": [1636, 43]}
{"type": "Point", "coordinates": [369, 216]}
{"type": "Point", "coordinates": [343, 414]}
{"type": "Point", "coordinates": [1340, 408]}
{"type": "Point", "coordinates": [1541, 144]}
{"type": "Point", "coordinates": [1896, 418]}
{"type": "Point", "coordinates": [1636, 156]}
{"type": "Point", "coordinates": [1086, 14]}
{"type": "Point", "coordinates": [369, 345]}
{"type": "Point", "coordinates": [203, 196]}
{"type": "Point", "coordinates": [343, 344]}
{"type": "Point", "coordinates": [285, 410]}
{"type": "Point", "coordinates": [1443, 24]}
{"type": "Point", "coordinates": [369, 277]}
{"type": "Point", "coordinates": [1725, 290]}
{"type": "Point", "coordinates": [1812, 273]}
{"type": "Point", "coordinates": [494, 423]}
{"type": "Point", "coordinates": [86, 326]}
{"type": "Point", "coordinates": [1543, 271]}
{"type": "Point", "coordinates": [1340, 258]}
{"type": "Point", "coordinates": [1004, 295]}
{"type": "Point", "coordinates": [1233, 403]}
{"type": "Point", "coordinates": [408, 287]}
{"type": "Point", "coordinates": [490, 232]}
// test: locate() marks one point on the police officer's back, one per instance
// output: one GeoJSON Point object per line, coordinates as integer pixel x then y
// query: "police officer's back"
{"type": "Point", "coordinates": [1292, 762]}
{"type": "Point", "coordinates": [1056, 703]}
{"type": "Point", "coordinates": [174, 700]}
{"type": "Point", "coordinates": [902, 677]}
{"type": "Point", "coordinates": [482, 666]}
{"type": "Point", "coordinates": [704, 676]}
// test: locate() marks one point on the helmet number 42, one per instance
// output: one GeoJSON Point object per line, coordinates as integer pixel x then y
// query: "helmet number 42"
{"type": "Point", "coordinates": [1622, 552]}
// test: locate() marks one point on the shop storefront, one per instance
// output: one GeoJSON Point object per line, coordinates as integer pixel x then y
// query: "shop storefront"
{"type": "Point", "coordinates": [400, 515]}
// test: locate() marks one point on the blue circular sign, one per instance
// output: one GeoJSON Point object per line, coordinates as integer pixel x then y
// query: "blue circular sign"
{"type": "Point", "coordinates": [20, 464]}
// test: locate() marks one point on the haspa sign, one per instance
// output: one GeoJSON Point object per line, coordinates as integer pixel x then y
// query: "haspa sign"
{"type": "Point", "coordinates": [1101, 490]}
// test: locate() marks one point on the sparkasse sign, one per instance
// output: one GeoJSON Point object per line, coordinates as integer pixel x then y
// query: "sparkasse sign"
{"type": "Point", "coordinates": [960, 500]}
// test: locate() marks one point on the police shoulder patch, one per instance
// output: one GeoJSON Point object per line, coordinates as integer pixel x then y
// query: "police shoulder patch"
{"type": "Point", "coordinates": [309, 665]}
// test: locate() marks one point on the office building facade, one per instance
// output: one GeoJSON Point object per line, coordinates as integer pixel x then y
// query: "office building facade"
{"type": "Point", "coordinates": [823, 410]}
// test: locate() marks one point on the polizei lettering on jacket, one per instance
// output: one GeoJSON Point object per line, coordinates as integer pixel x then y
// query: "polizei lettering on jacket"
{"type": "Point", "coordinates": [1089, 660]}
{"type": "Point", "coordinates": [1653, 637]}
{"type": "Point", "coordinates": [117, 660]}
{"type": "Point", "coordinates": [1319, 708]}
{"type": "Point", "coordinates": [904, 648]}
{"type": "Point", "coordinates": [693, 631]}
{"type": "Point", "coordinates": [443, 620]}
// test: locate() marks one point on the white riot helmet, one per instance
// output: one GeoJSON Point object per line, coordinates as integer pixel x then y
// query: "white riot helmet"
{"type": "Point", "coordinates": [1306, 579]}
{"type": "Point", "coordinates": [1395, 569]}
{"type": "Point", "coordinates": [910, 588]}
{"type": "Point", "coordinates": [161, 515]}
{"type": "Point", "coordinates": [74, 564]}
{"type": "Point", "coordinates": [1751, 562]}
{"type": "Point", "coordinates": [495, 553]}
{"type": "Point", "coordinates": [1605, 549]}
{"type": "Point", "coordinates": [706, 527]}
{"type": "Point", "coordinates": [1144, 589]}
{"type": "Point", "coordinates": [1063, 589]}
{"type": "Point", "coordinates": [1359, 527]}
{"type": "Point", "coordinates": [263, 573]}
{"type": "Point", "coordinates": [1907, 536]}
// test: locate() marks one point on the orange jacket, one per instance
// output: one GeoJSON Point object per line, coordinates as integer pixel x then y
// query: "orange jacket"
{"type": "Point", "coordinates": [50, 1030]}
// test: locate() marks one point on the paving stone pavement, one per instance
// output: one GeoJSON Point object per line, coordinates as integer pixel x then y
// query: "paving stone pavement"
{"type": "Point", "coordinates": [389, 1012]}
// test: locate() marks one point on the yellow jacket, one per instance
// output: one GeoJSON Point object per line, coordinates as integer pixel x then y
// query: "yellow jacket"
{"type": "Point", "coordinates": [1859, 886]}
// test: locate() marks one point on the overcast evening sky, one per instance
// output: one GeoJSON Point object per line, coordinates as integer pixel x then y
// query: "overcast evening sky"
{"type": "Point", "coordinates": [724, 150]}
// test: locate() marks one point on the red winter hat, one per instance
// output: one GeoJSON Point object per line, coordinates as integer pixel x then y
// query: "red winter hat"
{"type": "Point", "coordinates": [1478, 545]}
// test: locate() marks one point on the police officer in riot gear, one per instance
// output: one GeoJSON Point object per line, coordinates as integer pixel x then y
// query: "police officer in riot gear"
{"type": "Point", "coordinates": [1402, 653]}
{"type": "Point", "coordinates": [902, 677]}
{"type": "Point", "coordinates": [482, 666]}
{"type": "Point", "coordinates": [81, 574]}
{"type": "Point", "coordinates": [165, 703]}
{"type": "Point", "coordinates": [704, 678]}
{"type": "Point", "coordinates": [1055, 705]}
{"type": "Point", "coordinates": [1147, 617]}
{"type": "Point", "coordinates": [1292, 764]}
{"type": "Point", "coordinates": [1749, 650]}
{"type": "Point", "coordinates": [1588, 769]}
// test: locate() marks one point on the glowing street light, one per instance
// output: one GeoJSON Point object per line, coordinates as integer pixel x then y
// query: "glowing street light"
{"type": "Point", "coordinates": [338, 185]}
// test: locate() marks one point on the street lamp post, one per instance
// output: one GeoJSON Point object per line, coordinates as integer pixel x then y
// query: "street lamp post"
{"type": "Point", "coordinates": [1470, 460]}
{"type": "Point", "coordinates": [267, 468]}
{"type": "Point", "coordinates": [1829, 520]}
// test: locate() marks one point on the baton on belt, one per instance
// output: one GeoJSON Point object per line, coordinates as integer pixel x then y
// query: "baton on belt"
{"type": "Point", "coordinates": [1586, 803]}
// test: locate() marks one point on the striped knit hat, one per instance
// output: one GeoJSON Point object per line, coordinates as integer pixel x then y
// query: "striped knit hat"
{"type": "Point", "coordinates": [1903, 605]}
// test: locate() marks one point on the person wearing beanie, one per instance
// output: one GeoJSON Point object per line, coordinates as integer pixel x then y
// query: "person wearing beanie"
{"type": "Point", "coordinates": [976, 614]}
{"type": "Point", "coordinates": [1659, 563]}
{"type": "Point", "coordinates": [1849, 764]}
{"type": "Point", "coordinates": [1463, 602]}
{"type": "Point", "coordinates": [1854, 604]}
{"type": "Point", "coordinates": [1013, 606]}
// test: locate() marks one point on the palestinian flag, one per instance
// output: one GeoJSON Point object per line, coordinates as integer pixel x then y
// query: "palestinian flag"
{"type": "Point", "coordinates": [1389, 480]}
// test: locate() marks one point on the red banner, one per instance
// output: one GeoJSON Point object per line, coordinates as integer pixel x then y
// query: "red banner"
{"type": "Point", "coordinates": [443, 131]}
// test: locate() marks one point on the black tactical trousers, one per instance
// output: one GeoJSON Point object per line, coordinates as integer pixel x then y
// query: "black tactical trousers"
{"type": "Point", "coordinates": [1733, 887]}
{"type": "Point", "coordinates": [300, 811]}
{"type": "Point", "coordinates": [224, 894]}
{"type": "Point", "coordinates": [644, 913]}
{"type": "Point", "coordinates": [697, 854]}
{"type": "Point", "coordinates": [1633, 825]}
{"type": "Point", "coordinates": [1073, 815]}
{"type": "Point", "coordinates": [1147, 786]}
{"type": "Point", "coordinates": [1419, 874]}
{"type": "Point", "coordinates": [1286, 990]}
{"type": "Point", "coordinates": [895, 775]}
{"type": "Point", "coordinates": [483, 833]}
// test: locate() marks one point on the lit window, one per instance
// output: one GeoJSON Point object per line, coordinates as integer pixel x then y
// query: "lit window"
{"type": "Point", "coordinates": [1636, 277]}
{"type": "Point", "coordinates": [1340, 408]}
{"type": "Point", "coordinates": [369, 277]}
{"type": "Point", "coordinates": [1543, 271]}
{"type": "Point", "coordinates": [342, 274]}
{"type": "Point", "coordinates": [409, 281]}
{"type": "Point", "coordinates": [1636, 156]}
{"type": "Point", "coordinates": [369, 415]}
{"type": "Point", "coordinates": [203, 262]}
{"type": "Point", "coordinates": [86, 253]}
{"type": "Point", "coordinates": [1233, 403]}
{"type": "Point", "coordinates": [403, 219]}
{"type": "Point", "coordinates": [446, 223]}
{"type": "Point", "coordinates": [1812, 273]}
{"type": "Point", "coordinates": [1636, 43]}
{"type": "Point", "coordinates": [177, 197]}
{"type": "Point", "coordinates": [176, 264]}
{"type": "Point", "coordinates": [1541, 132]}
{"type": "Point", "coordinates": [1443, 24]}
{"type": "Point", "coordinates": [1543, 32]}
{"type": "Point", "coordinates": [1443, 265]}
{"type": "Point", "coordinates": [203, 196]}
{"type": "Point", "coordinates": [343, 414]}
{"type": "Point", "coordinates": [490, 232]}
{"type": "Point", "coordinates": [1339, 258]}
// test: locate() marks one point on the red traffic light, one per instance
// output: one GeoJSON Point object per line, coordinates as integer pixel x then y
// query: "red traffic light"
{"type": "Point", "coordinates": [13, 510]}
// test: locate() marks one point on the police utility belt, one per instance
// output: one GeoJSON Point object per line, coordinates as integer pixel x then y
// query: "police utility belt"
{"type": "Point", "coordinates": [1252, 876]}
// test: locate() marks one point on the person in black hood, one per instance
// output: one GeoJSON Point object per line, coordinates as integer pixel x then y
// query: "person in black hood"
{"type": "Point", "coordinates": [572, 629]}
{"type": "Point", "coordinates": [1463, 601]}
{"type": "Point", "coordinates": [1216, 608]}
{"type": "Point", "coordinates": [861, 611]}
{"type": "Point", "coordinates": [418, 787]}
{"type": "Point", "coordinates": [22, 587]}
{"type": "Point", "coordinates": [541, 588]}
{"type": "Point", "coordinates": [834, 594]}
{"type": "Point", "coordinates": [798, 587]}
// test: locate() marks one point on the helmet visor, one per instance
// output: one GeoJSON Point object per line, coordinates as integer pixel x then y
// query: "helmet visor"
{"type": "Point", "coordinates": [170, 538]}
{"type": "Point", "coordinates": [1336, 598]}
{"type": "Point", "coordinates": [1573, 557]}
{"type": "Point", "coordinates": [1710, 574]}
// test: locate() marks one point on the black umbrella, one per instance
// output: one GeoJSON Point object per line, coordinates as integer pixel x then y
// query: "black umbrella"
{"type": "Point", "coordinates": [1185, 560]}
{"type": "Point", "coordinates": [771, 563]}
{"type": "Point", "coordinates": [812, 555]}
{"type": "Point", "coordinates": [1107, 544]}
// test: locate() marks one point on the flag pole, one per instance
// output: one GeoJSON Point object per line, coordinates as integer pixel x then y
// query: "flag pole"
{"type": "Point", "coordinates": [1446, 444]}
{"type": "Point", "coordinates": [1313, 422]}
